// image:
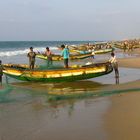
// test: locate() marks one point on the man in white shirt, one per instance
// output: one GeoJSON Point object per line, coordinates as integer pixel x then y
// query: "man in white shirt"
{"type": "Point", "coordinates": [114, 64]}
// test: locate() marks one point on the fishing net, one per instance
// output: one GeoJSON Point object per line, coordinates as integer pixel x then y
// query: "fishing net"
{"type": "Point", "coordinates": [90, 94]}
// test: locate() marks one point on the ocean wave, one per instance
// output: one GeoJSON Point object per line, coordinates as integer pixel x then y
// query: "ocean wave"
{"type": "Point", "coordinates": [24, 51]}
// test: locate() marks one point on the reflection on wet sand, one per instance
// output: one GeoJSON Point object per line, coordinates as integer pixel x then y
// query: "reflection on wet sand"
{"type": "Point", "coordinates": [22, 120]}
{"type": "Point", "coordinates": [62, 88]}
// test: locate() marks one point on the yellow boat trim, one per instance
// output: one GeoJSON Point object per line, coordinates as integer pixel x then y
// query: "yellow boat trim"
{"type": "Point", "coordinates": [13, 72]}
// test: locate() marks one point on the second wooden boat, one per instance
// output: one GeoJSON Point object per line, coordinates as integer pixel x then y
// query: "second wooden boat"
{"type": "Point", "coordinates": [59, 57]}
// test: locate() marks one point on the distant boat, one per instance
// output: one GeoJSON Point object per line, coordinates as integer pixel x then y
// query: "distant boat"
{"type": "Point", "coordinates": [59, 57]}
{"type": "Point", "coordinates": [80, 54]}
{"type": "Point", "coordinates": [100, 51]}
{"type": "Point", "coordinates": [119, 46]}
{"type": "Point", "coordinates": [60, 75]}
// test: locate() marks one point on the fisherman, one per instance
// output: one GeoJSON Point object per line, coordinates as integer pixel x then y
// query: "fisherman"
{"type": "Point", "coordinates": [65, 54]}
{"type": "Point", "coordinates": [31, 56]}
{"type": "Point", "coordinates": [92, 51]}
{"type": "Point", "coordinates": [48, 53]}
{"type": "Point", "coordinates": [1, 72]}
{"type": "Point", "coordinates": [125, 44]}
{"type": "Point", "coordinates": [114, 64]}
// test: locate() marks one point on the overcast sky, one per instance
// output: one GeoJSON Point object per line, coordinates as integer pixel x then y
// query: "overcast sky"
{"type": "Point", "coordinates": [69, 19]}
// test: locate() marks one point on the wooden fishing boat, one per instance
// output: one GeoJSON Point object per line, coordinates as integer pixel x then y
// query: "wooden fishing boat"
{"type": "Point", "coordinates": [79, 54]}
{"type": "Point", "coordinates": [100, 51]}
{"type": "Point", "coordinates": [120, 46]}
{"type": "Point", "coordinates": [60, 75]}
{"type": "Point", "coordinates": [59, 57]}
{"type": "Point", "coordinates": [85, 47]}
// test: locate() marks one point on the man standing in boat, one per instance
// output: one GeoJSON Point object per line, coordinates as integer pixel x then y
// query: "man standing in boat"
{"type": "Point", "coordinates": [48, 53]}
{"type": "Point", "coordinates": [92, 51]}
{"type": "Point", "coordinates": [65, 53]}
{"type": "Point", "coordinates": [31, 56]}
{"type": "Point", "coordinates": [1, 72]}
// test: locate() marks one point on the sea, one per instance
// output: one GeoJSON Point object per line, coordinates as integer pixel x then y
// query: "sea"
{"type": "Point", "coordinates": [16, 51]}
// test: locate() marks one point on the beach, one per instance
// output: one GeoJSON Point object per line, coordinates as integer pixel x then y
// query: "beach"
{"type": "Point", "coordinates": [69, 70]}
{"type": "Point", "coordinates": [108, 111]}
{"type": "Point", "coordinates": [122, 118]}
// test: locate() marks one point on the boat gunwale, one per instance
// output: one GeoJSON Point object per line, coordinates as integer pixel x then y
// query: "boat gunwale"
{"type": "Point", "coordinates": [63, 69]}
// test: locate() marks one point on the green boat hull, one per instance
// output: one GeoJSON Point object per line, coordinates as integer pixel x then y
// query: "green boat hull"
{"type": "Point", "coordinates": [60, 79]}
{"type": "Point", "coordinates": [41, 76]}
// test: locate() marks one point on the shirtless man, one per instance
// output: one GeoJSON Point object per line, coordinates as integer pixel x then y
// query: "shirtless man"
{"type": "Point", "coordinates": [48, 53]}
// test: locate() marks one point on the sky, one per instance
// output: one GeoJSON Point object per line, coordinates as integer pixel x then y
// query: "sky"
{"type": "Point", "coordinates": [69, 20]}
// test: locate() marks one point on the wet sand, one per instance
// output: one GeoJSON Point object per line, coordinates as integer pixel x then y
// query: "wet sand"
{"type": "Point", "coordinates": [34, 119]}
{"type": "Point", "coordinates": [122, 118]}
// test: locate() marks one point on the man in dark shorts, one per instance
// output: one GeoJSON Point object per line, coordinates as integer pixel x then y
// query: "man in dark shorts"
{"type": "Point", "coordinates": [114, 64]}
{"type": "Point", "coordinates": [31, 56]}
{"type": "Point", "coordinates": [1, 72]}
{"type": "Point", "coordinates": [65, 54]}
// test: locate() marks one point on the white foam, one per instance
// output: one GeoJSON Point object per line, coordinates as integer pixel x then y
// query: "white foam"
{"type": "Point", "coordinates": [22, 52]}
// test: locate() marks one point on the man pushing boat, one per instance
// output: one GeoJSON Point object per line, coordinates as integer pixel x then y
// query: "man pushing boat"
{"type": "Point", "coordinates": [1, 72]}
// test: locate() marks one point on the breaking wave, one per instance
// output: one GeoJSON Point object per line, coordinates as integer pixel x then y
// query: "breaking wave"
{"type": "Point", "coordinates": [23, 51]}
